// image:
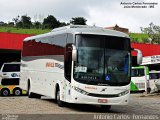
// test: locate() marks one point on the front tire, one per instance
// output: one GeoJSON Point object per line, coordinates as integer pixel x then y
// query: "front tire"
{"type": "Point", "coordinates": [5, 92]}
{"type": "Point", "coordinates": [105, 107]}
{"type": "Point", "coordinates": [32, 95]}
{"type": "Point", "coordinates": [59, 102]}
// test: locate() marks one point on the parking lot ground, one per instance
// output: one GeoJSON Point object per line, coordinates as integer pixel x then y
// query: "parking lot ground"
{"type": "Point", "coordinates": [139, 105]}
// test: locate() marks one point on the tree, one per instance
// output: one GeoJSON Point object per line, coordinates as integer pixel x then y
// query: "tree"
{"type": "Point", "coordinates": [24, 22]}
{"type": "Point", "coordinates": [38, 19]}
{"type": "Point", "coordinates": [153, 32]}
{"type": "Point", "coordinates": [19, 24]}
{"type": "Point", "coordinates": [1, 23]}
{"type": "Point", "coordinates": [16, 20]}
{"type": "Point", "coordinates": [37, 25]}
{"type": "Point", "coordinates": [11, 24]}
{"type": "Point", "coordinates": [62, 24]}
{"type": "Point", "coordinates": [78, 21]}
{"type": "Point", "coordinates": [50, 22]}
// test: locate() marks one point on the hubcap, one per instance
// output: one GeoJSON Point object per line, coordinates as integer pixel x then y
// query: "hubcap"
{"type": "Point", "coordinates": [17, 92]}
{"type": "Point", "coordinates": [5, 92]}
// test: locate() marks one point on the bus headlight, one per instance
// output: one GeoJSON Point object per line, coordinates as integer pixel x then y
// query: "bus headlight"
{"type": "Point", "coordinates": [123, 93]}
{"type": "Point", "coordinates": [80, 90]}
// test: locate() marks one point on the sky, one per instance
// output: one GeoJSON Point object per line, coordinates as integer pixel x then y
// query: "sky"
{"type": "Point", "coordinates": [103, 13]}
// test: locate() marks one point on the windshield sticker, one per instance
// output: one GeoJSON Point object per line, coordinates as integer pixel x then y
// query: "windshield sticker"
{"type": "Point", "coordinates": [81, 69]}
{"type": "Point", "coordinates": [107, 77]}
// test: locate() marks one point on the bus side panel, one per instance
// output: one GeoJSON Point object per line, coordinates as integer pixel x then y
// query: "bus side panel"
{"type": "Point", "coordinates": [23, 76]}
{"type": "Point", "coordinates": [43, 74]}
{"type": "Point", "coordinates": [139, 78]}
{"type": "Point", "coordinates": [43, 63]}
{"type": "Point", "coordinates": [138, 83]}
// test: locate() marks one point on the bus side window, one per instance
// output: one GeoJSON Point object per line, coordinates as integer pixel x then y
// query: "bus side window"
{"type": "Point", "coordinates": [68, 62]}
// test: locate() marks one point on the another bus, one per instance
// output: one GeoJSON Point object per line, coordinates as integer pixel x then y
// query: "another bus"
{"type": "Point", "coordinates": [139, 78]}
{"type": "Point", "coordinates": [154, 80]}
{"type": "Point", "coordinates": [9, 79]}
{"type": "Point", "coordinates": [78, 64]}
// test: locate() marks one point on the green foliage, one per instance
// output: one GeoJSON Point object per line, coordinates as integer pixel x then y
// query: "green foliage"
{"type": "Point", "coordinates": [23, 31]}
{"type": "Point", "coordinates": [153, 31]}
{"type": "Point", "coordinates": [63, 24]}
{"type": "Point", "coordinates": [135, 40]}
{"type": "Point", "coordinates": [24, 22]}
{"type": "Point", "coordinates": [16, 19]}
{"type": "Point", "coordinates": [37, 25]}
{"type": "Point", "coordinates": [50, 22]}
{"type": "Point", "coordinates": [24, 25]}
{"type": "Point", "coordinates": [138, 37]}
{"type": "Point", "coordinates": [146, 40]}
{"type": "Point", "coordinates": [78, 21]}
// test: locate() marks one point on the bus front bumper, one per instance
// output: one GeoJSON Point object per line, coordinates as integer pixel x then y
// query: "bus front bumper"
{"type": "Point", "coordinates": [79, 98]}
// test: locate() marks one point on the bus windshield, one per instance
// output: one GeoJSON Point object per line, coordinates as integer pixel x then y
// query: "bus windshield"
{"type": "Point", "coordinates": [154, 75]}
{"type": "Point", "coordinates": [137, 72]}
{"type": "Point", "coordinates": [102, 60]}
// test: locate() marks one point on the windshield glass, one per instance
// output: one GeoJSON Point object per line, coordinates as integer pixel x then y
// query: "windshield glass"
{"type": "Point", "coordinates": [11, 68]}
{"type": "Point", "coordinates": [102, 60]}
{"type": "Point", "coordinates": [137, 72]}
{"type": "Point", "coordinates": [154, 75]}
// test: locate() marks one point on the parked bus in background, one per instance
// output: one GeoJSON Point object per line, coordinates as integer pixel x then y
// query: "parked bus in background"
{"type": "Point", "coordinates": [9, 79]}
{"type": "Point", "coordinates": [78, 64]}
{"type": "Point", "coordinates": [139, 78]}
{"type": "Point", "coordinates": [154, 80]}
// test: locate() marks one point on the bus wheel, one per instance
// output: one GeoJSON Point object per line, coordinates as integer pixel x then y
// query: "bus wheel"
{"type": "Point", "coordinates": [5, 92]}
{"type": "Point", "coordinates": [59, 102]}
{"type": "Point", "coordinates": [32, 95]}
{"type": "Point", "coordinates": [148, 90]}
{"type": "Point", "coordinates": [17, 92]}
{"type": "Point", "coordinates": [106, 107]}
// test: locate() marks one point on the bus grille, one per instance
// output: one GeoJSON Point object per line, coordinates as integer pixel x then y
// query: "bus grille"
{"type": "Point", "coordinates": [140, 85]}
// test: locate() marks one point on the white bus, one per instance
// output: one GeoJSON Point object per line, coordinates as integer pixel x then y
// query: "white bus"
{"type": "Point", "coordinates": [154, 80]}
{"type": "Point", "coordinates": [78, 64]}
{"type": "Point", "coordinates": [140, 78]}
{"type": "Point", "coordinates": [9, 79]}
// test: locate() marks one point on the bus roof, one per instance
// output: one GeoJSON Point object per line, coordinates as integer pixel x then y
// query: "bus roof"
{"type": "Point", "coordinates": [80, 29]}
{"type": "Point", "coordinates": [154, 71]}
{"type": "Point", "coordinates": [138, 67]}
{"type": "Point", "coordinates": [12, 63]}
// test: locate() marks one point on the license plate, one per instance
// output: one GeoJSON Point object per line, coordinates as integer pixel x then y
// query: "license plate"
{"type": "Point", "coordinates": [102, 100]}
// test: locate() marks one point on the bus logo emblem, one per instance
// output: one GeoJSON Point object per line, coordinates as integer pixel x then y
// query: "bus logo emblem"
{"type": "Point", "coordinates": [104, 89]}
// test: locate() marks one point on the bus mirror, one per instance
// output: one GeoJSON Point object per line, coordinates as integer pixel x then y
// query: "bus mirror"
{"type": "Point", "coordinates": [139, 56]}
{"type": "Point", "coordinates": [74, 53]}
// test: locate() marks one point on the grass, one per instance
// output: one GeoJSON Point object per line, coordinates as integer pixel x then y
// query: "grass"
{"type": "Point", "coordinates": [23, 31]}
{"type": "Point", "coordinates": [138, 37]}
{"type": "Point", "coordinates": [135, 37]}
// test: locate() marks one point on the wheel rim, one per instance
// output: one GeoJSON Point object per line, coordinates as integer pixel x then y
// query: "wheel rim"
{"type": "Point", "coordinates": [5, 92]}
{"type": "Point", "coordinates": [17, 92]}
